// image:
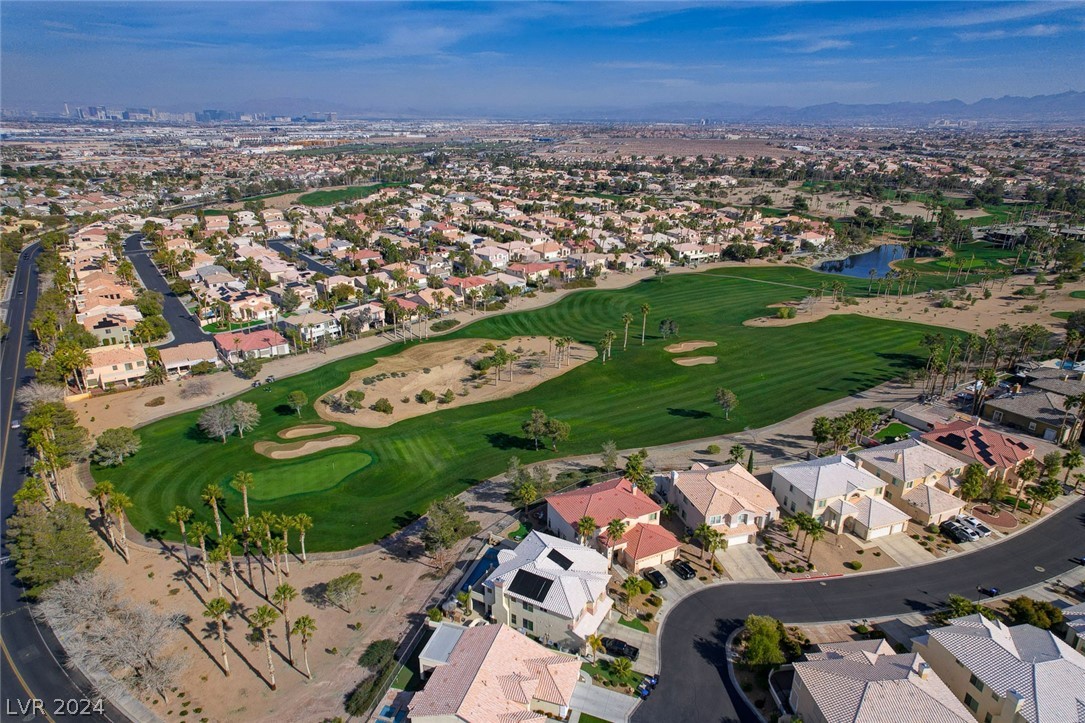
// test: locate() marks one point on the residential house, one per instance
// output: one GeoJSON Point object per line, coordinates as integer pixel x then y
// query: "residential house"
{"type": "Point", "coordinates": [921, 479]}
{"type": "Point", "coordinates": [616, 499]}
{"type": "Point", "coordinates": [550, 588]}
{"type": "Point", "coordinates": [1036, 411]}
{"type": "Point", "coordinates": [111, 324]}
{"type": "Point", "coordinates": [839, 494]}
{"type": "Point", "coordinates": [313, 325]}
{"type": "Point", "coordinates": [492, 674]}
{"type": "Point", "coordinates": [497, 257]}
{"type": "Point", "coordinates": [1007, 674]}
{"type": "Point", "coordinates": [727, 498]}
{"type": "Point", "coordinates": [998, 454]}
{"type": "Point", "coordinates": [179, 360]}
{"type": "Point", "coordinates": [861, 681]}
{"type": "Point", "coordinates": [113, 365]}
{"type": "Point", "coordinates": [1074, 622]}
{"type": "Point", "coordinates": [262, 344]}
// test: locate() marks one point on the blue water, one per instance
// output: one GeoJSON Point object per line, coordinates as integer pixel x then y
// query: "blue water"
{"type": "Point", "coordinates": [482, 569]}
{"type": "Point", "coordinates": [859, 265]}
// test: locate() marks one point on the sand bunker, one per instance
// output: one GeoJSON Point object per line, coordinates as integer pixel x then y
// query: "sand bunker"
{"type": "Point", "coordinates": [305, 430]}
{"type": "Point", "coordinates": [300, 449]}
{"type": "Point", "coordinates": [442, 366]}
{"type": "Point", "coordinates": [688, 346]}
{"type": "Point", "coordinates": [692, 361]}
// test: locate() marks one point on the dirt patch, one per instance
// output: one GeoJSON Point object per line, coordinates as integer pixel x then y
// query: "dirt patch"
{"type": "Point", "coordinates": [443, 366]}
{"type": "Point", "coordinates": [692, 361]}
{"type": "Point", "coordinates": [1002, 519]}
{"type": "Point", "coordinates": [300, 449]}
{"type": "Point", "coordinates": [688, 346]}
{"type": "Point", "coordinates": [305, 430]}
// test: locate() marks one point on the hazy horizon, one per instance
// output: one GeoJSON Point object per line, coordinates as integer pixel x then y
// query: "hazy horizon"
{"type": "Point", "coordinates": [533, 57]}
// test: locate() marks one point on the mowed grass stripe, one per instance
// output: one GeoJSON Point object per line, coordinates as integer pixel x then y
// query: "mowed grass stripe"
{"type": "Point", "coordinates": [639, 398]}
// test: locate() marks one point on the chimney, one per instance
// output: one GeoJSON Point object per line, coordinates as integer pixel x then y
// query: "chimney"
{"type": "Point", "coordinates": [635, 490]}
{"type": "Point", "coordinates": [898, 457]}
{"type": "Point", "coordinates": [924, 671]}
{"type": "Point", "coordinates": [1011, 705]}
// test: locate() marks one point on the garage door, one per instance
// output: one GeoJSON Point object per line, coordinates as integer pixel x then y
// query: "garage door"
{"type": "Point", "coordinates": [731, 541]}
{"type": "Point", "coordinates": [880, 532]}
{"type": "Point", "coordinates": [899, 528]}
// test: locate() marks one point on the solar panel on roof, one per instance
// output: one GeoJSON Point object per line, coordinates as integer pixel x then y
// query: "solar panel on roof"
{"type": "Point", "coordinates": [530, 585]}
{"type": "Point", "coordinates": [560, 560]}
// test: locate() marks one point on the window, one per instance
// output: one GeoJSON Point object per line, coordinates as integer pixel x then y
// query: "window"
{"type": "Point", "coordinates": [653, 516]}
{"type": "Point", "coordinates": [792, 506]}
{"type": "Point", "coordinates": [529, 626]}
{"type": "Point", "coordinates": [1032, 426]}
{"type": "Point", "coordinates": [528, 607]}
{"type": "Point", "coordinates": [128, 367]}
{"type": "Point", "coordinates": [821, 503]}
{"type": "Point", "coordinates": [715, 519]}
{"type": "Point", "coordinates": [878, 490]}
{"type": "Point", "coordinates": [743, 519]}
{"type": "Point", "coordinates": [976, 683]}
{"type": "Point", "coordinates": [888, 495]}
{"type": "Point", "coordinates": [972, 703]}
{"type": "Point", "coordinates": [512, 619]}
{"type": "Point", "coordinates": [987, 718]}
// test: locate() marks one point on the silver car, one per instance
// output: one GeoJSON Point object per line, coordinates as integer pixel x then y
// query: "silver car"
{"type": "Point", "coordinates": [975, 525]}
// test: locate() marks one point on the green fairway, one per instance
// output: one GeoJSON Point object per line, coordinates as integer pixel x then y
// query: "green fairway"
{"type": "Point", "coordinates": [638, 398]}
{"type": "Point", "coordinates": [339, 195]}
{"type": "Point", "coordinates": [312, 473]}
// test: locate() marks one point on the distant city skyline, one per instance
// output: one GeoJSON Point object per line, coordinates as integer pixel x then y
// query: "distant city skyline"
{"type": "Point", "coordinates": [523, 58]}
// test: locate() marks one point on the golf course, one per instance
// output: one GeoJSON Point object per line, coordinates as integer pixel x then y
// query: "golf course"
{"type": "Point", "coordinates": [361, 492]}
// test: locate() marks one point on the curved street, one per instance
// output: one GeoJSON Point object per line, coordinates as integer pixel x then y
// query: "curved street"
{"type": "Point", "coordinates": [694, 685]}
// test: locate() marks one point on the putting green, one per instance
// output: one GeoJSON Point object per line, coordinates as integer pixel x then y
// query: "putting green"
{"type": "Point", "coordinates": [306, 475]}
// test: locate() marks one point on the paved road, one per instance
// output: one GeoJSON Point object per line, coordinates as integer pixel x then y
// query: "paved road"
{"type": "Point", "coordinates": [693, 675]}
{"type": "Point", "coordinates": [312, 263]}
{"type": "Point", "coordinates": [183, 325]}
{"type": "Point", "coordinates": [29, 668]}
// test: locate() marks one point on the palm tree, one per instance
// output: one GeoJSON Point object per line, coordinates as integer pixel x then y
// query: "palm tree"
{"type": "Point", "coordinates": [302, 523]}
{"type": "Point", "coordinates": [179, 517]}
{"type": "Point", "coordinates": [585, 528]}
{"type": "Point", "coordinates": [101, 492]}
{"type": "Point", "coordinates": [803, 523]}
{"type": "Point", "coordinates": [703, 533]}
{"type": "Point", "coordinates": [283, 523]}
{"type": "Point", "coordinates": [243, 482]}
{"type": "Point", "coordinates": [621, 668]}
{"type": "Point", "coordinates": [198, 534]}
{"type": "Point", "coordinates": [282, 596]}
{"type": "Point", "coordinates": [1027, 471]}
{"type": "Point", "coordinates": [559, 346]}
{"type": "Point", "coordinates": [226, 544]}
{"type": "Point", "coordinates": [815, 533]}
{"type": "Point", "coordinates": [260, 623]}
{"type": "Point", "coordinates": [304, 628]}
{"type": "Point", "coordinates": [644, 309]}
{"type": "Point", "coordinates": [212, 495]}
{"type": "Point", "coordinates": [608, 342]}
{"type": "Point", "coordinates": [117, 504]}
{"type": "Point", "coordinates": [217, 608]}
{"type": "Point", "coordinates": [594, 644]}
{"type": "Point", "coordinates": [1071, 461]}
{"type": "Point", "coordinates": [631, 586]}
{"type": "Point", "coordinates": [615, 531]}
{"type": "Point", "coordinates": [627, 319]}
{"type": "Point", "coordinates": [276, 548]}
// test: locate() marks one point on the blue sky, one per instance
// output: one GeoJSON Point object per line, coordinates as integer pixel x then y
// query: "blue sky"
{"type": "Point", "coordinates": [527, 57]}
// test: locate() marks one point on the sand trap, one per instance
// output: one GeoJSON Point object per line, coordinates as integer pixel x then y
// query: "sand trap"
{"type": "Point", "coordinates": [688, 346]}
{"type": "Point", "coordinates": [692, 361]}
{"type": "Point", "coordinates": [446, 365]}
{"type": "Point", "coordinates": [300, 449]}
{"type": "Point", "coordinates": [305, 430]}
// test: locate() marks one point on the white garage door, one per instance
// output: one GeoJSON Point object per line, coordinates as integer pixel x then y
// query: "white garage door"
{"type": "Point", "coordinates": [880, 532]}
{"type": "Point", "coordinates": [899, 528]}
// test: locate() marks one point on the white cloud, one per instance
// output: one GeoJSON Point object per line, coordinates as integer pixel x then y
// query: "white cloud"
{"type": "Point", "coordinates": [1032, 31]}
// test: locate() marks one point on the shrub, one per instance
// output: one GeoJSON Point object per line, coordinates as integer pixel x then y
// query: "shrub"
{"type": "Point", "coordinates": [359, 699]}
{"type": "Point", "coordinates": [773, 562]}
{"type": "Point", "coordinates": [156, 402]}
{"type": "Point", "coordinates": [444, 324]}
{"type": "Point", "coordinates": [862, 629]}
{"type": "Point", "coordinates": [763, 638]}
{"type": "Point", "coordinates": [785, 312]}
{"type": "Point", "coordinates": [855, 565]}
{"type": "Point", "coordinates": [204, 367]}
{"type": "Point", "coordinates": [378, 653]}
{"type": "Point", "coordinates": [383, 406]}
{"type": "Point", "coordinates": [648, 616]}
{"type": "Point", "coordinates": [435, 614]}
{"type": "Point", "coordinates": [713, 449]}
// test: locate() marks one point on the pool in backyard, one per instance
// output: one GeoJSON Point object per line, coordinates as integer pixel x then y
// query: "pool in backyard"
{"type": "Point", "coordinates": [483, 567]}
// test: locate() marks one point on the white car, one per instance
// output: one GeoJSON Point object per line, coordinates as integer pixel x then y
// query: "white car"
{"type": "Point", "coordinates": [975, 525]}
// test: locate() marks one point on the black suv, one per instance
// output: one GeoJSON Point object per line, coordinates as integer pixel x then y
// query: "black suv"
{"type": "Point", "coordinates": [683, 570]}
{"type": "Point", "coordinates": [620, 649]}
{"type": "Point", "coordinates": [655, 577]}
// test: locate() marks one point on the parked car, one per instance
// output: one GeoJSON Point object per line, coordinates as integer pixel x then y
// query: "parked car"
{"type": "Point", "coordinates": [989, 591]}
{"type": "Point", "coordinates": [15, 424]}
{"type": "Point", "coordinates": [1078, 560]}
{"type": "Point", "coordinates": [957, 532]}
{"type": "Point", "coordinates": [620, 649]}
{"type": "Point", "coordinates": [975, 525]}
{"type": "Point", "coordinates": [655, 577]}
{"type": "Point", "coordinates": [683, 570]}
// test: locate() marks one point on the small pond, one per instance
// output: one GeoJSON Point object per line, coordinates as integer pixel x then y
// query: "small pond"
{"type": "Point", "coordinates": [860, 265]}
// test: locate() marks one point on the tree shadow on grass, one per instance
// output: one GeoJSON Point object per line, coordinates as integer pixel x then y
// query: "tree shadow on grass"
{"type": "Point", "coordinates": [688, 413]}
{"type": "Point", "coordinates": [503, 440]}
{"type": "Point", "coordinates": [194, 434]}
{"type": "Point", "coordinates": [285, 410]}
{"type": "Point", "coordinates": [898, 360]}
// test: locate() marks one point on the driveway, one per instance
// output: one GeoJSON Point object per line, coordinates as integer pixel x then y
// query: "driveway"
{"type": "Point", "coordinates": [602, 703]}
{"type": "Point", "coordinates": [184, 326]}
{"type": "Point", "coordinates": [745, 564]}
{"type": "Point", "coordinates": [903, 549]}
{"type": "Point", "coordinates": [693, 669]}
{"type": "Point", "coordinates": [648, 660]}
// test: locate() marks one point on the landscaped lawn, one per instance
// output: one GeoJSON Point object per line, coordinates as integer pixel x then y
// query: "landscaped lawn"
{"type": "Point", "coordinates": [892, 431]}
{"type": "Point", "coordinates": [601, 670]}
{"type": "Point", "coordinates": [216, 326]}
{"type": "Point", "coordinates": [1077, 294]}
{"type": "Point", "coordinates": [976, 256]}
{"type": "Point", "coordinates": [589, 718]}
{"type": "Point", "coordinates": [638, 398]}
{"type": "Point", "coordinates": [339, 195]}
{"type": "Point", "coordinates": [635, 623]}
{"type": "Point", "coordinates": [520, 532]}
{"type": "Point", "coordinates": [1061, 314]}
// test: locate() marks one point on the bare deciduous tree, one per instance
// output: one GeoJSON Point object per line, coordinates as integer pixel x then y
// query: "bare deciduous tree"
{"type": "Point", "coordinates": [34, 392]}
{"type": "Point", "coordinates": [246, 416]}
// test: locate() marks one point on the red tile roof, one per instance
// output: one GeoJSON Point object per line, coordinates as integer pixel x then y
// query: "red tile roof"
{"type": "Point", "coordinates": [646, 540]}
{"type": "Point", "coordinates": [990, 448]}
{"type": "Point", "coordinates": [616, 499]}
{"type": "Point", "coordinates": [252, 341]}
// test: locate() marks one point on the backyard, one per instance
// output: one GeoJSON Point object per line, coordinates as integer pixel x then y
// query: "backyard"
{"type": "Point", "coordinates": [640, 397]}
